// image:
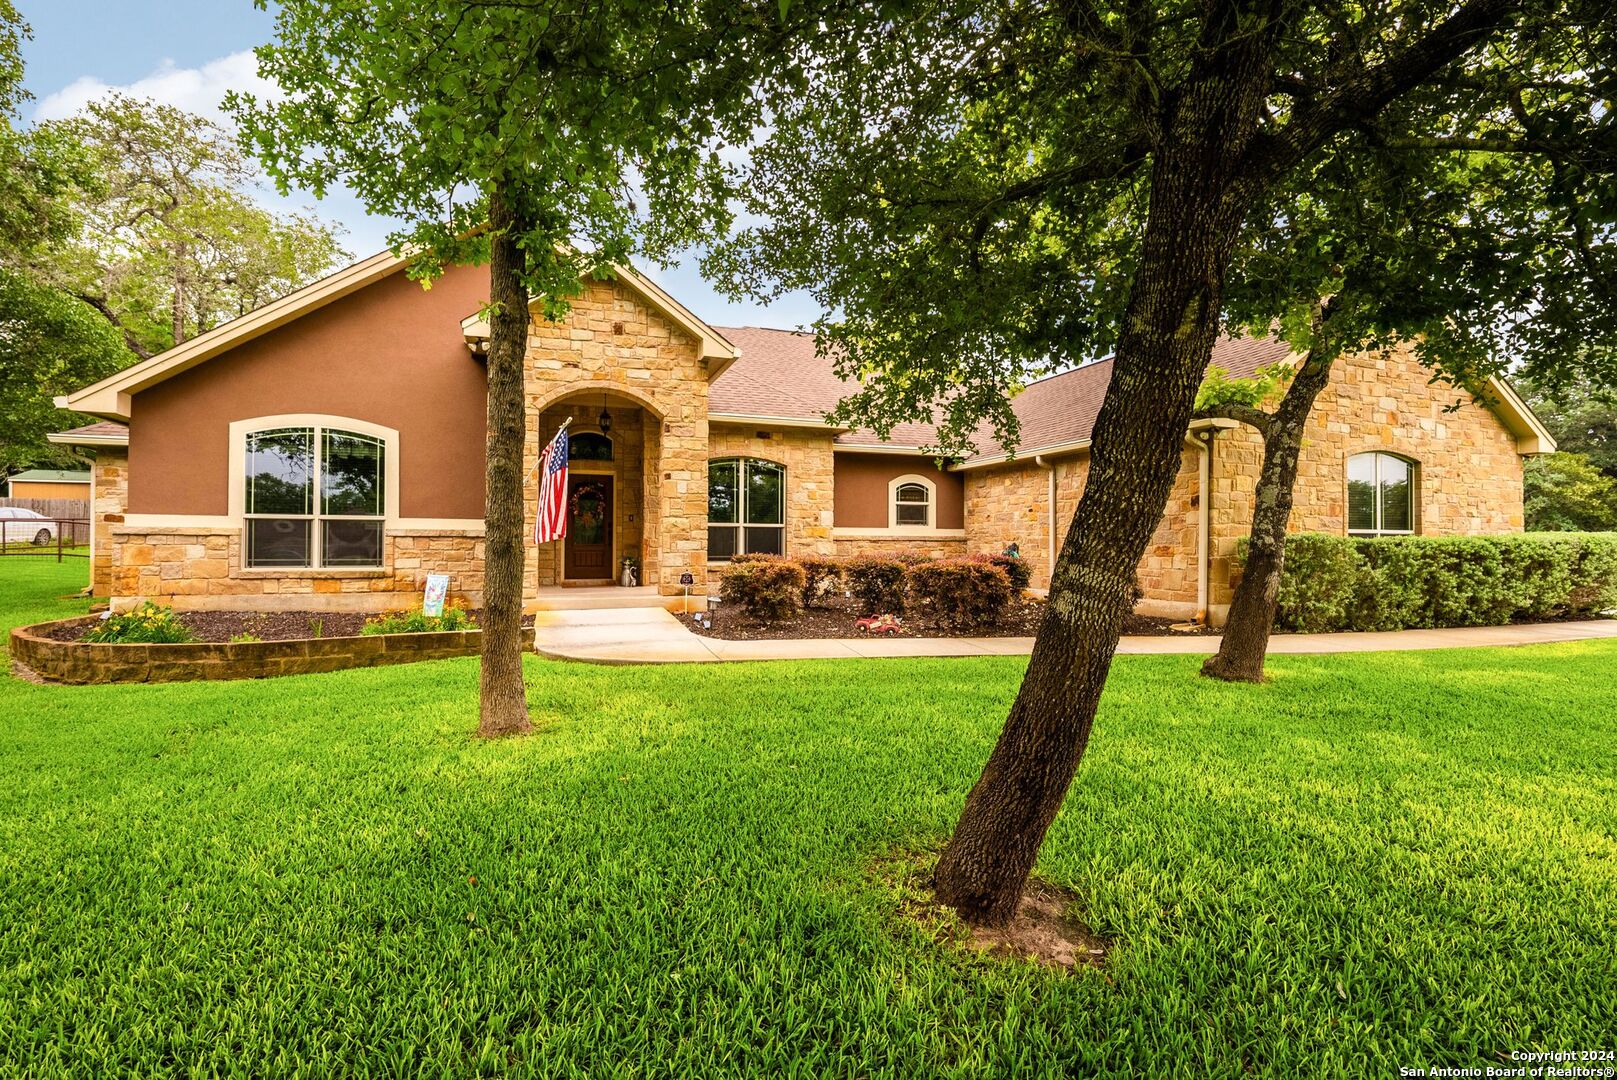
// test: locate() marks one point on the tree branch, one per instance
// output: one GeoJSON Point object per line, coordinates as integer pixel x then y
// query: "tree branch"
{"type": "Point", "coordinates": [112, 317]}
{"type": "Point", "coordinates": [1250, 415]}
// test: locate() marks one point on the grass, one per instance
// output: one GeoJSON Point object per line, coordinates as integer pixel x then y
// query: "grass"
{"type": "Point", "coordinates": [1374, 861]}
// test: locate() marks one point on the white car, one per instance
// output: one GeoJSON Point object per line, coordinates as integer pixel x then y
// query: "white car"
{"type": "Point", "coordinates": [20, 526]}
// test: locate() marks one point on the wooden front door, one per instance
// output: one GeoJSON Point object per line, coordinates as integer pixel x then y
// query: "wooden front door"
{"type": "Point", "coordinates": [588, 555]}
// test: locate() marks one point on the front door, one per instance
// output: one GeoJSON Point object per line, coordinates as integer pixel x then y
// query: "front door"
{"type": "Point", "coordinates": [588, 555]}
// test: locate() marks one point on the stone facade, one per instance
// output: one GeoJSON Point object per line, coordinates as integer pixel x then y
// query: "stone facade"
{"type": "Point", "coordinates": [1010, 503]}
{"type": "Point", "coordinates": [110, 498]}
{"type": "Point", "coordinates": [1468, 477]}
{"type": "Point", "coordinates": [201, 569]}
{"type": "Point", "coordinates": [613, 348]}
{"type": "Point", "coordinates": [939, 547]}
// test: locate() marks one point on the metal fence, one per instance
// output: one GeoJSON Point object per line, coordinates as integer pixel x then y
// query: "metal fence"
{"type": "Point", "coordinates": [44, 538]}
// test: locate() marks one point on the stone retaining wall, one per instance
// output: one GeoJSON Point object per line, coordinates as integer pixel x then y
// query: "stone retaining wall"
{"type": "Point", "coordinates": [82, 662]}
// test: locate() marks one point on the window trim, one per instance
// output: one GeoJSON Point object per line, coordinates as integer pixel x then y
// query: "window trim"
{"type": "Point", "coordinates": [931, 501]}
{"type": "Point", "coordinates": [741, 524]}
{"type": "Point", "coordinates": [1414, 493]}
{"type": "Point", "coordinates": [237, 504]}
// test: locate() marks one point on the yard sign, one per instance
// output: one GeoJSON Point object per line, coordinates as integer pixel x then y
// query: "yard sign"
{"type": "Point", "coordinates": [437, 588]}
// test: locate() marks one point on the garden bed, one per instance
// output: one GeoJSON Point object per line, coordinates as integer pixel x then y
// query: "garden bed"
{"type": "Point", "coordinates": [51, 652]}
{"type": "Point", "coordinates": [836, 618]}
{"type": "Point", "coordinates": [217, 626]}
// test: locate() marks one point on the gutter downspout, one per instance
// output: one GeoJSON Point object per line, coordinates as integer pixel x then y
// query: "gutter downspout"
{"type": "Point", "coordinates": [1204, 522]}
{"type": "Point", "coordinates": [1050, 525]}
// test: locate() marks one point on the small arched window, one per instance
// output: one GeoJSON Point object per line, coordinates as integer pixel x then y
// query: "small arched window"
{"type": "Point", "coordinates": [911, 502]}
{"type": "Point", "coordinates": [1381, 495]}
{"type": "Point", "coordinates": [589, 446]}
{"type": "Point", "coordinates": [746, 508]}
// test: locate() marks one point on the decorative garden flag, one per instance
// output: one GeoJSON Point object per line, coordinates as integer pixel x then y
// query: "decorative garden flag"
{"type": "Point", "coordinates": [551, 523]}
{"type": "Point", "coordinates": [432, 602]}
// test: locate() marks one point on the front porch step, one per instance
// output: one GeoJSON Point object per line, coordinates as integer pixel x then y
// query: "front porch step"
{"type": "Point", "coordinates": [596, 597]}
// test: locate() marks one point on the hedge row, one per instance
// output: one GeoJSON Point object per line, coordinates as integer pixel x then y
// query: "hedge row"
{"type": "Point", "coordinates": [1396, 583]}
{"type": "Point", "coordinates": [967, 591]}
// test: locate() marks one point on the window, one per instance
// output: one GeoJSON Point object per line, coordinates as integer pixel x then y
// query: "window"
{"type": "Point", "coordinates": [1381, 495]}
{"type": "Point", "coordinates": [911, 502]}
{"type": "Point", "coordinates": [314, 498]}
{"type": "Point", "coordinates": [746, 508]}
{"type": "Point", "coordinates": [588, 446]}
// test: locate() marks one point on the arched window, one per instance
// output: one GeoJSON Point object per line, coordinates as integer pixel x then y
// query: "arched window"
{"type": "Point", "coordinates": [315, 497]}
{"type": "Point", "coordinates": [1381, 495]}
{"type": "Point", "coordinates": [746, 508]}
{"type": "Point", "coordinates": [911, 502]}
{"type": "Point", "coordinates": [589, 446]}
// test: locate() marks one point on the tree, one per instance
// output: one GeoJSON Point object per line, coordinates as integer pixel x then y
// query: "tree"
{"type": "Point", "coordinates": [168, 240]}
{"type": "Point", "coordinates": [552, 140]}
{"type": "Point", "coordinates": [1566, 493]}
{"type": "Point", "coordinates": [49, 344]}
{"type": "Point", "coordinates": [1583, 419]}
{"type": "Point", "coordinates": [994, 191]}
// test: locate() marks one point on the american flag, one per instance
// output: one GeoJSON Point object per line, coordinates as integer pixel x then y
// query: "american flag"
{"type": "Point", "coordinates": [551, 524]}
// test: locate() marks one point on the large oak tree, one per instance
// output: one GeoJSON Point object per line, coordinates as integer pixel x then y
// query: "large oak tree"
{"type": "Point", "coordinates": [553, 139]}
{"type": "Point", "coordinates": [996, 190]}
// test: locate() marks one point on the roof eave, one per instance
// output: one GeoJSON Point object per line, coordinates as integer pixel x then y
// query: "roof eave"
{"type": "Point", "coordinates": [67, 438]}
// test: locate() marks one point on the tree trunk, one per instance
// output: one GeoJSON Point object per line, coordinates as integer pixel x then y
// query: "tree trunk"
{"type": "Point", "coordinates": [1252, 612]}
{"type": "Point", "coordinates": [503, 701]}
{"type": "Point", "coordinates": [1198, 201]}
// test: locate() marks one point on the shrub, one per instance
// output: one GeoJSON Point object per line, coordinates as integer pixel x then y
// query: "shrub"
{"type": "Point", "coordinates": [1395, 583]}
{"type": "Point", "coordinates": [1020, 573]}
{"type": "Point", "coordinates": [960, 592]}
{"type": "Point", "coordinates": [821, 577]}
{"type": "Point", "coordinates": [246, 637]}
{"type": "Point", "coordinates": [876, 582]}
{"type": "Point", "coordinates": [768, 589]}
{"type": "Point", "coordinates": [147, 624]}
{"type": "Point", "coordinates": [417, 621]}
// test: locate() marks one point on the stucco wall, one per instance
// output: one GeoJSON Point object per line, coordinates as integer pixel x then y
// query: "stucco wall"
{"type": "Point", "coordinates": [863, 481]}
{"type": "Point", "coordinates": [390, 353]}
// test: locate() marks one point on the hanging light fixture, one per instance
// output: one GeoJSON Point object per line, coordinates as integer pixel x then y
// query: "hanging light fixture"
{"type": "Point", "coordinates": [605, 421]}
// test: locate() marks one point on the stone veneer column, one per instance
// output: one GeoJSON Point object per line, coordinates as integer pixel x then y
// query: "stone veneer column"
{"type": "Point", "coordinates": [109, 503]}
{"type": "Point", "coordinates": [613, 343]}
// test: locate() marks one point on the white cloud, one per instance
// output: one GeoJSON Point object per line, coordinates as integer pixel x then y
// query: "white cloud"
{"type": "Point", "coordinates": [199, 90]}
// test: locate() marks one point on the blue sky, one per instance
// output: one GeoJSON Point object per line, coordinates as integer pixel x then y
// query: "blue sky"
{"type": "Point", "coordinates": [189, 52]}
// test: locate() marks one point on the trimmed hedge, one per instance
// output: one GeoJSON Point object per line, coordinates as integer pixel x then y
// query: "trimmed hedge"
{"type": "Point", "coordinates": [960, 592]}
{"type": "Point", "coordinates": [822, 577]}
{"type": "Point", "coordinates": [769, 589]}
{"type": "Point", "coordinates": [876, 582]}
{"type": "Point", "coordinates": [1395, 583]}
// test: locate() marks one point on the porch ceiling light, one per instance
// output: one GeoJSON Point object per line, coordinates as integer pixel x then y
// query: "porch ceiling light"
{"type": "Point", "coordinates": [605, 421]}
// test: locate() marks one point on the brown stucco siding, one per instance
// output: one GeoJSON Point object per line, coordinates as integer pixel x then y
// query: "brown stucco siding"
{"type": "Point", "coordinates": [390, 353]}
{"type": "Point", "coordinates": [862, 482]}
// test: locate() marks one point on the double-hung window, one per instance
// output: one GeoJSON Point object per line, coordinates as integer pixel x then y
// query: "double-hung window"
{"type": "Point", "coordinates": [314, 499]}
{"type": "Point", "coordinates": [746, 508]}
{"type": "Point", "coordinates": [1381, 495]}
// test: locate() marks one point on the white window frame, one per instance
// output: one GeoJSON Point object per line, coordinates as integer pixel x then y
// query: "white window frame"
{"type": "Point", "coordinates": [741, 524]}
{"type": "Point", "coordinates": [1414, 489]}
{"type": "Point", "coordinates": [906, 480]}
{"type": "Point", "coordinates": [319, 423]}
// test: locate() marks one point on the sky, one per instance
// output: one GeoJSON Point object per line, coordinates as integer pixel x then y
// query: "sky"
{"type": "Point", "coordinates": [190, 52]}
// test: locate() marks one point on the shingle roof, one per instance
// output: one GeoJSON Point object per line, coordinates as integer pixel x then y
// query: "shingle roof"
{"type": "Point", "coordinates": [100, 427]}
{"type": "Point", "coordinates": [779, 375]}
{"type": "Point", "coordinates": [52, 476]}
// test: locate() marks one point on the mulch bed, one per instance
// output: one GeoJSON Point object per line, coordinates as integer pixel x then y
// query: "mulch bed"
{"type": "Point", "coordinates": [837, 617]}
{"type": "Point", "coordinates": [264, 625]}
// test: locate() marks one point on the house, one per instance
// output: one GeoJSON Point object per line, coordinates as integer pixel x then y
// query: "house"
{"type": "Point", "coordinates": [50, 484]}
{"type": "Point", "coordinates": [326, 451]}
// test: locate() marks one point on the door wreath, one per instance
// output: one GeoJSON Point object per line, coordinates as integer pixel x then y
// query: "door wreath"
{"type": "Point", "coordinates": [585, 505]}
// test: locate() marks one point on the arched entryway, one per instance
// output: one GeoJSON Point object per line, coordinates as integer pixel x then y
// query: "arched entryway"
{"type": "Point", "coordinates": [612, 509]}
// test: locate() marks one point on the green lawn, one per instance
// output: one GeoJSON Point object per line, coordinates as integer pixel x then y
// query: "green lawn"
{"type": "Point", "coordinates": [1372, 862]}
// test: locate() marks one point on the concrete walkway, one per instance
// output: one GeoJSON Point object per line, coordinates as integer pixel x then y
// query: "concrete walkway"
{"type": "Point", "coordinates": [653, 636]}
